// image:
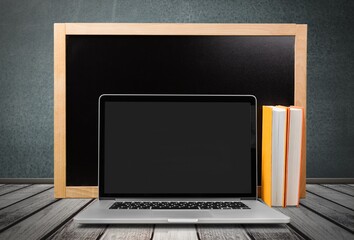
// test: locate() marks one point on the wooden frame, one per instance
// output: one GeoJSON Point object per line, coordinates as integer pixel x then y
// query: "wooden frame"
{"type": "Point", "coordinates": [63, 29]}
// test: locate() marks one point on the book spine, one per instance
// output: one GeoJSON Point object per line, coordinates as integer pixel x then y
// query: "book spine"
{"type": "Point", "coordinates": [266, 178]}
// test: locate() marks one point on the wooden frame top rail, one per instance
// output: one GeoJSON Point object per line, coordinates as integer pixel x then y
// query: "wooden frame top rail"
{"type": "Point", "coordinates": [180, 29]}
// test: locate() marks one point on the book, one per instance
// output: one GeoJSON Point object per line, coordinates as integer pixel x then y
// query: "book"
{"type": "Point", "coordinates": [274, 137]}
{"type": "Point", "coordinates": [266, 177]}
{"type": "Point", "coordinates": [278, 155]}
{"type": "Point", "coordinates": [293, 169]}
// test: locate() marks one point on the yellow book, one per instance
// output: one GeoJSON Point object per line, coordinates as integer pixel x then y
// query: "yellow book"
{"type": "Point", "coordinates": [274, 155]}
{"type": "Point", "coordinates": [267, 154]}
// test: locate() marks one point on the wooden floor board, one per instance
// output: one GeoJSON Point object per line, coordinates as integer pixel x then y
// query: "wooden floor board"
{"type": "Point", "coordinates": [271, 231]}
{"type": "Point", "coordinates": [45, 221]}
{"type": "Point", "coordinates": [249, 231]}
{"type": "Point", "coordinates": [341, 188]}
{"type": "Point", "coordinates": [22, 209]}
{"type": "Point", "coordinates": [313, 225]}
{"type": "Point", "coordinates": [336, 213]}
{"type": "Point", "coordinates": [128, 232]}
{"type": "Point", "coordinates": [23, 193]}
{"type": "Point", "coordinates": [229, 232]}
{"type": "Point", "coordinates": [8, 188]}
{"type": "Point", "coordinates": [166, 232]}
{"type": "Point", "coordinates": [330, 194]}
{"type": "Point", "coordinates": [73, 230]}
{"type": "Point", "coordinates": [297, 235]}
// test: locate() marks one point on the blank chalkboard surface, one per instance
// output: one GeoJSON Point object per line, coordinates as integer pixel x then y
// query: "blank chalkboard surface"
{"type": "Point", "coordinates": [97, 64]}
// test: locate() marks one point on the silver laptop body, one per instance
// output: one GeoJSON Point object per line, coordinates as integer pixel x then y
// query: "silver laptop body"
{"type": "Point", "coordinates": [129, 126]}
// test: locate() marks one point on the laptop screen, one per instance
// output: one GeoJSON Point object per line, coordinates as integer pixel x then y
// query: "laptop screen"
{"type": "Point", "coordinates": [177, 145]}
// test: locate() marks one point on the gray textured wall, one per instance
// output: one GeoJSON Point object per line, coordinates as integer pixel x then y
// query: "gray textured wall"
{"type": "Point", "coordinates": [26, 70]}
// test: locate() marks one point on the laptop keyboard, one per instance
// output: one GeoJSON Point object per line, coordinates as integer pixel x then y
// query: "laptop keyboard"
{"type": "Point", "coordinates": [179, 205]}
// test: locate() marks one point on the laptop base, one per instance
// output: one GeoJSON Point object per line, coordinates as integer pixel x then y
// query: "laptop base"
{"type": "Point", "coordinates": [99, 213]}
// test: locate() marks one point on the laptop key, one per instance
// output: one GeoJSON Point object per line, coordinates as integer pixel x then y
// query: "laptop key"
{"type": "Point", "coordinates": [180, 205]}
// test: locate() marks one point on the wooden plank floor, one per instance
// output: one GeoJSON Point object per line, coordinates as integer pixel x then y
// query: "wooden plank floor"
{"type": "Point", "coordinates": [31, 212]}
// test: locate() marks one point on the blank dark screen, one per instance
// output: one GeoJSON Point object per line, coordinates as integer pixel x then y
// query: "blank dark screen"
{"type": "Point", "coordinates": [177, 147]}
{"type": "Point", "coordinates": [259, 65]}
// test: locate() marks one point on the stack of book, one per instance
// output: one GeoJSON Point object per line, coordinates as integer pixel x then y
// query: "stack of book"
{"type": "Point", "coordinates": [282, 136]}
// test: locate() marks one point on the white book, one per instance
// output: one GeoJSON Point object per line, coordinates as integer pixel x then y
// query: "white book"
{"type": "Point", "coordinates": [278, 155]}
{"type": "Point", "coordinates": [294, 155]}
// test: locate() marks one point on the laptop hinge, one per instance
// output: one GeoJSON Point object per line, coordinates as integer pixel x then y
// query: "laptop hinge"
{"type": "Point", "coordinates": [249, 198]}
{"type": "Point", "coordinates": [206, 200]}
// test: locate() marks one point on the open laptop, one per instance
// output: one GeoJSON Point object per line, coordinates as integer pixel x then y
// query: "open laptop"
{"type": "Point", "coordinates": [171, 158]}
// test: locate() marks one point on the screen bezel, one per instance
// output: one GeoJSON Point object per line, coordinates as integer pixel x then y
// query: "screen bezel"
{"type": "Point", "coordinates": [176, 98]}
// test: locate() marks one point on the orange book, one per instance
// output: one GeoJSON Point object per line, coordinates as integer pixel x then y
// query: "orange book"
{"type": "Point", "coordinates": [302, 187]}
{"type": "Point", "coordinates": [266, 178]}
{"type": "Point", "coordinates": [294, 155]}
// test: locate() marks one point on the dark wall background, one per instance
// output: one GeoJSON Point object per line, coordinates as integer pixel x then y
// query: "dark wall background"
{"type": "Point", "coordinates": [26, 70]}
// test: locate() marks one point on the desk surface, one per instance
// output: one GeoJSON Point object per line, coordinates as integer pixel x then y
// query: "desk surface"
{"type": "Point", "coordinates": [31, 212]}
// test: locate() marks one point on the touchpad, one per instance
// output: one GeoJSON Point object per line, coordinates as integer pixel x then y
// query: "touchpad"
{"type": "Point", "coordinates": [182, 214]}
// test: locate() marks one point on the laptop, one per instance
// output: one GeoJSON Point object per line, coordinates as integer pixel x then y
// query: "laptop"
{"type": "Point", "coordinates": [178, 158]}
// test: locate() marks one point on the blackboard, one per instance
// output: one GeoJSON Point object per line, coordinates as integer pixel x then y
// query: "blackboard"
{"type": "Point", "coordinates": [97, 64]}
{"type": "Point", "coordinates": [267, 60]}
